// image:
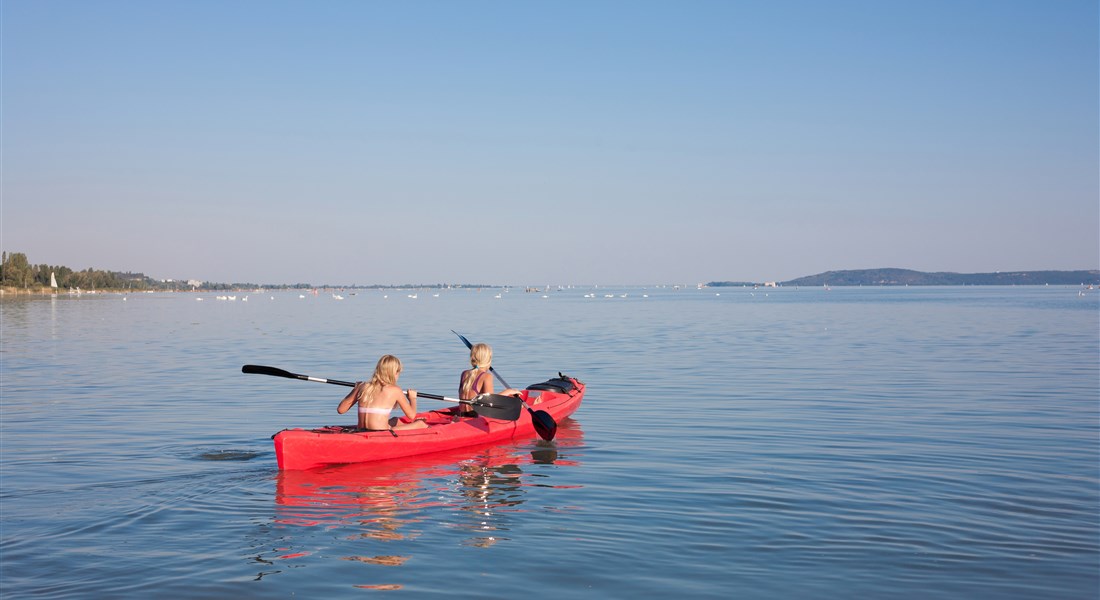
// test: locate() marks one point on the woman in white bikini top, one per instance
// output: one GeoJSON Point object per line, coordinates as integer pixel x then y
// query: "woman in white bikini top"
{"type": "Point", "coordinates": [376, 399]}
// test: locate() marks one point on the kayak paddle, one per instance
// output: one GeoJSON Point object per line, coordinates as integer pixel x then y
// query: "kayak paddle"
{"type": "Point", "coordinates": [494, 406]}
{"type": "Point", "coordinates": [545, 425]}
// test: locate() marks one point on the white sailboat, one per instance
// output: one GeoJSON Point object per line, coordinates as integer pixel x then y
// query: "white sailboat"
{"type": "Point", "coordinates": [53, 281]}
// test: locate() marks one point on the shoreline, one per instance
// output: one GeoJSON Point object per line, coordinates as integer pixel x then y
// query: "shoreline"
{"type": "Point", "coordinates": [23, 292]}
{"type": "Point", "coordinates": [8, 291]}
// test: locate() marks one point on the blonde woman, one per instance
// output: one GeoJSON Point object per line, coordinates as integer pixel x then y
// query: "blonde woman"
{"type": "Point", "coordinates": [477, 379]}
{"type": "Point", "coordinates": [377, 397]}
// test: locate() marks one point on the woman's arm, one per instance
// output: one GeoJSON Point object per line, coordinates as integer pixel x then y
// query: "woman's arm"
{"type": "Point", "coordinates": [487, 388]}
{"type": "Point", "coordinates": [408, 406]}
{"type": "Point", "coordinates": [351, 398]}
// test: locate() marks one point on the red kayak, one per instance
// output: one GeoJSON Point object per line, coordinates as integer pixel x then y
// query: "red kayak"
{"type": "Point", "coordinates": [371, 491]}
{"type": "Point", "coordinates": [297, 449]}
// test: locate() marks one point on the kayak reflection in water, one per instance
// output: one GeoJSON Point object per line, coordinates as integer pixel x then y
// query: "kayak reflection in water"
{"type": "Point", "coordinates": [489, 491]}
{"type": "Point", "coordinates": [477, 380]}
{"type": "Point", "coordinates": [389, 502]}
{"type": "Point", "coordinates": [377, 397]}
{"type": "Point", "coordinates": [379, 508]}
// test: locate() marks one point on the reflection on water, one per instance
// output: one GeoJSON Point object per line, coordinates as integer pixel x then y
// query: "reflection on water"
{"type": "Point", "coordinates": [394, 502]}
{"type": "Point", "coordinates": [488, 491]}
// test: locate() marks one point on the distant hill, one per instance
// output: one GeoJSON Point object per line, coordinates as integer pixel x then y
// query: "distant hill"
{"type": "Point", "coordinates": [910, 277]}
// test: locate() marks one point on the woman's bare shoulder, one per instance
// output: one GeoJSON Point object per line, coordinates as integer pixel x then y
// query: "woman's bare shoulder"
{"type": "Point", "coordinates": [390, 390]}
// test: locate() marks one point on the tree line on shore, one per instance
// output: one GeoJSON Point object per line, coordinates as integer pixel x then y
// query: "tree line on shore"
{"type": "Point", "coordinates": [16, 271]}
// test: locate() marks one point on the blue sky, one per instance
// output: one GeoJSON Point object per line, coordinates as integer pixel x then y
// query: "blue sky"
{"type": "Point", "coordinates": [566, 142]}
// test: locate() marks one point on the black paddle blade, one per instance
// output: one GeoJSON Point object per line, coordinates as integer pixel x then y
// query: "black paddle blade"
{"type": "Point", "coordinates": [545, 425]}
{"type": "Point", "coordinates": [463, 338]}
{"type": "Point", "coordinates": [262, 370]}
{"type": "Point", "coordinates": [495, 406]}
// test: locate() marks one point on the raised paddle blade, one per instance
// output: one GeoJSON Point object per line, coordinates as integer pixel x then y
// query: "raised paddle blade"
{"type": "Point", "coordinates": [495, 406]}
{"type": "Point", "coordinates": [463, 338]}
{"type": "Point", "coordinates": [262, 370]}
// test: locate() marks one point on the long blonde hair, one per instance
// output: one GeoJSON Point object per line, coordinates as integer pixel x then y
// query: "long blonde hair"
{"type": "Point", "coordinates": [385, 373]}
{"type": "Point", "coordinates": [481, 355]}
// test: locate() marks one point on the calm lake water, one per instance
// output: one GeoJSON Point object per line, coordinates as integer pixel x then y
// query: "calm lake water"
{"type": "Point", "coordinates": [782, 443]}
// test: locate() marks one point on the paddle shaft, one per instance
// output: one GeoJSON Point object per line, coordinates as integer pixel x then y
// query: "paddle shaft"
{"type": "Point", "coordinates": [262, 370]}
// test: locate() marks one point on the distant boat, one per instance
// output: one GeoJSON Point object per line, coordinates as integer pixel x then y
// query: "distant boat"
{"type": "Point", "coordinates": [53, 281]}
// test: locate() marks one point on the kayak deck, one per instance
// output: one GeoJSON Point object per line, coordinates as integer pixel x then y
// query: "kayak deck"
{"type": "Point", "coordinates": [297, 449]}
